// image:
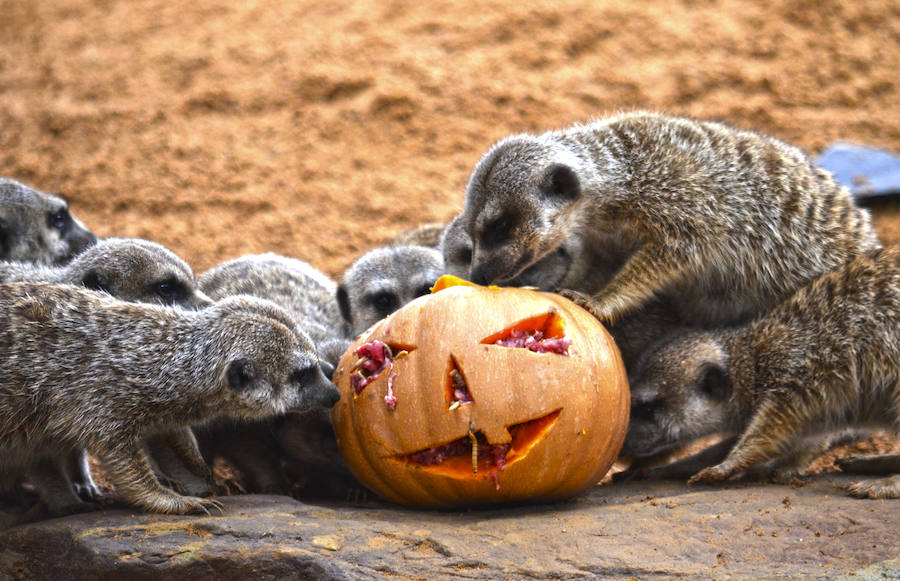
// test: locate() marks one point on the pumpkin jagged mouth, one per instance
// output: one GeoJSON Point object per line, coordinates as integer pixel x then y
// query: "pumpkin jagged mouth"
{"type": "Point", "coordinates": [471, 455]}
{"type": "Point", "coordinates": [544, 333]}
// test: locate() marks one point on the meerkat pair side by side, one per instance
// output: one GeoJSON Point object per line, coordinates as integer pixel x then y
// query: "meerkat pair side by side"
{"type": "Point", "coordinates": [64, 346]}
{"type": "Point", "coordinates": [296, 451]}
{"type": "Point", "coordinates": [723, 223]}
{"type": "Point", "coordinates": [37, 227]}
{"type": "Point", "coordinates": [825, 359]}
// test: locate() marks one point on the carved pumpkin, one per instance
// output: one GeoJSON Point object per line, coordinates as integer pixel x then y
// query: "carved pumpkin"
{"type": "Point", "coordinates": [476, 395]}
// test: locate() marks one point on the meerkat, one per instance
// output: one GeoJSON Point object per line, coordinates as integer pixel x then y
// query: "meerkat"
{"type": "Point", "coordinates": [132, 270]}
{"type": "Point", "coordinates": [825, 359]}
{"type": "Point", "coordinates": [383, 280]}
{"type": "Point", "coordinates": [37, 227]}
{"type": "Point", "coordinates": [64, 346]}
{"type": "Point", "coordinates": [303, 440]}
{"type": "Point", "coordinates": [724, 222]}
{"type": "Point", "coordinates": [129, 269]}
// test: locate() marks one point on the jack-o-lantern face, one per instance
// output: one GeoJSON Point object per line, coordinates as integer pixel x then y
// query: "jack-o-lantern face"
{"type": "Point", "coordinates": [475, 395]}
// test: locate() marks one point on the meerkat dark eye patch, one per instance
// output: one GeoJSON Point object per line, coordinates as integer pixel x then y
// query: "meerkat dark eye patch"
{"type": "Point", "coordinates": [498, 231]}
{"type": "Point", "coordinates": [240, 375]}
{"type": "Point", "coordinates": [561, 182]}
{"type": "Point", "coordinates": [384, 302]}
{"type": "Point", "coordinates": [59, 220]}
{"type": "Point", "coordinates": [714, 383]}
{"type": "Point", "coordinates": [170, 290]}
{"type": "Point", "coordinates": [463, 255]}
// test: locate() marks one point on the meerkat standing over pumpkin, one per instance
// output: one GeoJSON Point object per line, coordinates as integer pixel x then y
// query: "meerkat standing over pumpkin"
{"type": "Point", "coordinates": [725, 222]}
{"type": "Point", "coordinates": [825, 359]}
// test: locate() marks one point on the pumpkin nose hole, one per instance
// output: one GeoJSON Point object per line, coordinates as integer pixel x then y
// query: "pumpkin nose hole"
{"type": "Point", "coordinates": [454, 459]}
{"type": "Point", "coordinates": [544, 333]}
{"type": "Point", "coordinates": [457, 389]}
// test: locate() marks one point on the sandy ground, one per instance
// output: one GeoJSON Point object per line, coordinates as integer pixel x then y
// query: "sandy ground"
{"type": "Point", "coordinates": [322, 129]}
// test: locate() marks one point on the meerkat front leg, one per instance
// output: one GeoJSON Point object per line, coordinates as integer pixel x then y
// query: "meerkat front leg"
{"type": "Point", "coordinates": [130, 472]}
{"type": "Point", "coordinates": [78, 468]}
{"type": "Point", "coordinates": [767, 436]}
{"type": "Point", "coordinates": [178, 458]}
{"type": "Point", "coordinates": [649, 270]}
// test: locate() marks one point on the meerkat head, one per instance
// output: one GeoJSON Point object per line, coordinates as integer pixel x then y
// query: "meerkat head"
{"type": "Point", "coordinates": [679, 392]}
{"type": "Point", "coordinates": [545, 274]}
{"type": "Point", "coordinates": [137, 270]}
{"type": "Point", "coordinates": [519, 206]}
{"type": "Point", "coordinates": [37, 227]}
{"type": "Point", "coordinates": [383, 280]}
{"type": "Point", "coordinates": [270, 366]}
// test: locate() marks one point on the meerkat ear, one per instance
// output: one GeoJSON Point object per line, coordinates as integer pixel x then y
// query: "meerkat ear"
{"type": "Point", "coordinates": [715, 383]}
{"type": "Point", "coordinates": [343, 300]}
{"type": "Point", "coordinates": [239, 375]}
{"type": "Point", "coordinates": [94, 281]}
{"type": "Point", "coordinates": [561, 182]}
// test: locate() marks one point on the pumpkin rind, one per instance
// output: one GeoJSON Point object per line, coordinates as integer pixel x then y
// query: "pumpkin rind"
{"type": "Point", "coordinates": [509, 385]}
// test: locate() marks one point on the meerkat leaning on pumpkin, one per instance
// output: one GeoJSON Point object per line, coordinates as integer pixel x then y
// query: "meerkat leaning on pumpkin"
{"type": "Point", "coordinates": [725, 223]}
{"type": "Point", "coordinates": [825, 359]}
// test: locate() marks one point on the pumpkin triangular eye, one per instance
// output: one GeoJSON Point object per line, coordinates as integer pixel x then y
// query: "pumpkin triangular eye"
{"type": "Point", "coordinates": [544, 333]}
{"type": "Point", "coordinates": [457, 389]}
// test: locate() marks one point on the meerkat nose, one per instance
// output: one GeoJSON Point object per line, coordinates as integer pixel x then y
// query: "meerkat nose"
{"type": "Point", "coordinates": [480, 275]}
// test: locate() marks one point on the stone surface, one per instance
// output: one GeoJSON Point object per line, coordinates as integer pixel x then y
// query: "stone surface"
{"type": "Point", "coordinates": [642, 530]}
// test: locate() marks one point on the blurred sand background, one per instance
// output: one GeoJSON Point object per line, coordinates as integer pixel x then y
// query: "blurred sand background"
{"type": "Point", "coordinates": [322, 129]}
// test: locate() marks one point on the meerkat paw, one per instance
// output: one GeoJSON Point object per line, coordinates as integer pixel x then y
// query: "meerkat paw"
{"type": "Point", "coordinates": [89, 491]}
{"type": "Point", "coordinates": [711, 475]}
{"type": "Point", "coordinates": [177, 504]}
{"type": "Point", "coordinates": [879, 488]}
{"type": "Point", "coordinates": [585, 302]}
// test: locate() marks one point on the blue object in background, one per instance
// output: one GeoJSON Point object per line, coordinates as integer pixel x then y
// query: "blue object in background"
{"type": "Point", "coordinates": [868, 172]}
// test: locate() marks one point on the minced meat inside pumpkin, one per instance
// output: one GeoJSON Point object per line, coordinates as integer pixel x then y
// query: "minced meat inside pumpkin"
{"type": "Point", "coordinates": [534, 341]}
{"type": "Point", "coordinates": [374, 358]}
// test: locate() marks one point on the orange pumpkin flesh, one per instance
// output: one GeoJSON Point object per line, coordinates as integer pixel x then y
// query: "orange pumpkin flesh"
{"type": "Point", "coordinates": [460, 420]}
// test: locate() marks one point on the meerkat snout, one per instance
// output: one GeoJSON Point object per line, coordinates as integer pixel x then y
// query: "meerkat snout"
{"type": "Point", "coordinates": [316, 390]}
